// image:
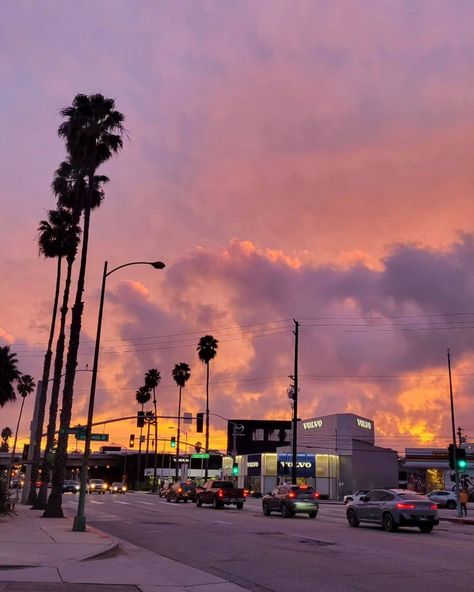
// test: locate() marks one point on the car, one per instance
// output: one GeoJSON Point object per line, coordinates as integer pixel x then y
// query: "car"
{"type": "Point", "coordinates": [118, 487]}
{"type": "Point", "coordinates": [392, 508]}
{"type": "Point", "coordinates": [181, 491]}
{"type": "Point", "coordinates": [97, 486]}
{"type": "Point", "coordinates": [164, 488]}
{"type": "Point", "coordinates": [445, 499]}
{"type": "Point", "coordinates": [352, 496]}
{"type": "Point", "coordinates": [70, 486]}
{"type": "Point", "coordinates": [289, 500]}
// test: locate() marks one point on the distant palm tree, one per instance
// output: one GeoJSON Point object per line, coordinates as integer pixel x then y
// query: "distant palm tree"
{"type": "Point", "coordinates": [6, 434]}
{"type": "Point", "coordinates": [93, 131]}
{"type": "Point", "coordinates": [181, 374]}
{"type": "Point", "coordinates": [152, 380]}
{"type": "Point", "coordinates": [25, 386]}
{"type": "Point", "coordinates": [8, 374]}
{"type": "Point", "coordinates": [143, 395]}
{"type": "Point", "coordinates": [207, 351]}
{"type": "Point", "coordinates": [58, 236]}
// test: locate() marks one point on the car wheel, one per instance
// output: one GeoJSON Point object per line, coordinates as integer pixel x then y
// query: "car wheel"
{"type": "Point", "coordinates": [239, 505]}
{"type": "Point", "coordinates": [265, 509]}
{"type": "Point", "coordinates": [285, 512]}
{"type": "Point", "coordinates": [216, 504]}
{"type": "Point", "coordinates": [185, 501]}
{"type": "Point", "coordinates": [168, 498]}
{"type": "Point", "coordinates": [198, 502]}
{"type": "Point", "coordinates": [451, 505]}
{"type": "Point", "coordinates": [352, 519]}
{"type": "Point", "coordinates": [312, 514]}
{"type": "Point", "coordinates": [388, 522]}
{"type": "Point", "coordinates": [426, 527]}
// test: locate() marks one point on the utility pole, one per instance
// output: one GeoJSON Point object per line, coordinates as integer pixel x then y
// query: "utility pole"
{"type": "Point", "coordinates": [453, 427]}
{"type": "Point", "coordinates": [460, 436]}
{"type": "Point", "coordinates": [295, 405]}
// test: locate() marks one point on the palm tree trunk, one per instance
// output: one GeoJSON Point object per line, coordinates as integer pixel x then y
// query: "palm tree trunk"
{"type": "Point", "coordinates": [12, 457]}
{"type": "Point", "coordinates": [147, 446]}
{"type": "Point", "coordinates": [155, 459]}
{"type": "Point", "coordinates": [44, 391]}
{"type": "Point", "coordinates": [137, 484]}
{"type": "Point", "coordinates": [53, 406]}
{"type": "Point", "coordinates": [54, 505]}
{"type": "Point", "coordinates": [206, 467]}
{"type": "Point", "coordinates": [178, 435]}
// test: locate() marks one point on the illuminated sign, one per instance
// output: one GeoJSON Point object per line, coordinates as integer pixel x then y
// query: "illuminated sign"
{"type": "Point", "coordinates": [362, 423]}
{"type": "Point", "coordinates": [253, 464]}
{"type": "Point", "coordinates": [316, 423]}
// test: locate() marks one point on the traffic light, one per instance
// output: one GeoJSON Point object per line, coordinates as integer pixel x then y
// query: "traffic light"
{"type": "Point", "coordinates": [235, 469]}
{"type": "Point", "coordinates": [26, 448]}
{"type": "Point", "coordinates": [461, 462]}
{"type": "Point", "coordinates": [199, 422]}
{"type": "Point", "coordinates": [131, 444]}
{"type": "Point", "coordinates": [140, 419]}
{"type": "Point", "coordinates": [461, 459]}
{"type": "Point", "coordinates": [173, 442]}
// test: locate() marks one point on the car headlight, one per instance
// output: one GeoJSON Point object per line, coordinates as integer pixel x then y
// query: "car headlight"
{"type": "Point", "coordinates": [77, 487]}
{"type": "Point", "coordinates": [124, 488]}
{"type": "Point", "coordinates": [115, 488]}
{"type": "Point", "coordinates": [93, 486]}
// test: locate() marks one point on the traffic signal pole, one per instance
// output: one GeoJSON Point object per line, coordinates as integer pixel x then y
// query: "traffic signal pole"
{"type": "Point", "coordinates": [453, 427]}
{"type": "Point", "coordinates": [295, 406]}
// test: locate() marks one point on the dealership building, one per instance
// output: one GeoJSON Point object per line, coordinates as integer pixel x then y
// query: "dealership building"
{"type": "Point", "coordinates": [336, 455]}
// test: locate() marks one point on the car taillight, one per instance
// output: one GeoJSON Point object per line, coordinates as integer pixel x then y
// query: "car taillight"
{"type": "Point", "coordinates": [246, 492]}
{"type": "Point", "coordinates": [404, 506]}
{"type": "Point", "coordinates": [180, 490]}
{"type": "Point", "coordinates": [316, 494]}
{"type": "Point", "coordinates": [434, 507]}
{"type": "Point", "coordinates": [220, 493]}
{"type": "Point", "coordinates": [292, 494]}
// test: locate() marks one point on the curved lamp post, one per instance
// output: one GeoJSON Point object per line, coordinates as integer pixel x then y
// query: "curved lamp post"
{"type": "Point", "coordinates": [80, 518]}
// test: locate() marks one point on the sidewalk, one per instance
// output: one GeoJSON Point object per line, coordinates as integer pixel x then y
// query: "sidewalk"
{"type": "Point", "coordinates": [44, 554]}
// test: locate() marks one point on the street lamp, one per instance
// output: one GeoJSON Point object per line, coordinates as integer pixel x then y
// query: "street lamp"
{"type": "Point", "coordinates": [80, 518]}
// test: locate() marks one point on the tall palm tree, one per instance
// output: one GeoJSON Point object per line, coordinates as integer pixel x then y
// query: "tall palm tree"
{"type": "Point", "coordinates": [58, 235]}
{"type": "Point", "coordinates": [143, 395]}
{"type": "Point", "coordinates": [6, 434]}
{"type": "Point", "coordinates": [207, 351]}
{"type": "Point", "coordinates": [181, 374]}
{"type": "Point", "coordinates": [93, 131]}
{"type": "Point", "coordinates": [65, 187]}
{"type": "Point", "coordinates": [152, 380]}
{"type": "Point", "coordinates": [8, 374]}
{"type": "Point", "coordinates": [25, 386]}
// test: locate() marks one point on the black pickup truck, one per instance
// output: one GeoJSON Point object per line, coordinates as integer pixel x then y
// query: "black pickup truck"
{"type": "Point", "coordinates": [220, 494]}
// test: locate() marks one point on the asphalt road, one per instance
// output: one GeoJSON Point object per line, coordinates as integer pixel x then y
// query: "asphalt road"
{"type": "Point", "coordinates": [271, 554]}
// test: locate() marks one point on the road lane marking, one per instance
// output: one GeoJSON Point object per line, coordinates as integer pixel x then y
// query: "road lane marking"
{"type": "Point", "coordinates": [224, 522]}
{"type": "Point", "coordinates": [124, 503]}
{"type": "Point", "coordinates": [147, 503]}
{"type": "Point", "coordinates": [94, 502]}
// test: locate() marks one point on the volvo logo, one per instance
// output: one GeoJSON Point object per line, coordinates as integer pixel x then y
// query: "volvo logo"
{"type": "Point", "coordinates": [316, 423]}
{"type": "Point", "coordinates": [362, 423]}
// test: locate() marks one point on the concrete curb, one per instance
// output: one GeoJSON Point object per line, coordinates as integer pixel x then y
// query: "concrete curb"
{"type": "Point", "coordinates": [469, 521]}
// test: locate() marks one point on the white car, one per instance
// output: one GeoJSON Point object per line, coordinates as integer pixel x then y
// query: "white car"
{"type": "Point", "coordinates": [443, 498]}
{"type": "Point", "coordinates": [355, 496]}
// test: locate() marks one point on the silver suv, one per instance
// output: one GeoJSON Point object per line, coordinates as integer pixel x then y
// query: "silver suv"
{"type": "Point", "coordinates": [392, 508]}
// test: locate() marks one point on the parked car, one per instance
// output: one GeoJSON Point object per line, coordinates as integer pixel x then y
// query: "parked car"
{"type": "Point", "coordinates": [118, 487]}
{"type": "Point", "coordinates": [445, 499]}
{"type": "Point", "coordinates": [352, 496]}
{"type": "Point", "coordinates": [289, 500]}
{"type": "Point", "coordinates": [181, 491]}
{"type": "Point", "coordinates": [97, 486]}
{"type": "Point", "coordinates": [70, 486]}
{"type": "Point", "coordinates": [392, 508]}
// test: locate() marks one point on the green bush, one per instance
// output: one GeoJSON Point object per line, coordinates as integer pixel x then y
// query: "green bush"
{"type": "Point", "coordinates": [6, 505]}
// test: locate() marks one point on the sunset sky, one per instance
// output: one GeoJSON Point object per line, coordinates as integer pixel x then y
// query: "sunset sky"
{"type": "Point", "coordinates": [308, 160]}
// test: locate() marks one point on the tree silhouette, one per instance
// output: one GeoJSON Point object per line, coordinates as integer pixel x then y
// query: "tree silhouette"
{"type": "Point", "coordinates": [8, 374]}
{"type": "Point", "coordinates": [207, 351]}
{"type": "Point", "coordinates": [152, 380]}
{"type": "Point", "coordinates": [181, 374]}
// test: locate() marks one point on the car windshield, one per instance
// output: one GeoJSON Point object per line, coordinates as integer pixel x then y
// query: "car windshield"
{"type": "Point", "coordinates": [69, 482]}
{"type": "Point", "coordinates": [116, 484]}
{"type": "Point", "coordinates": [223, 484]}
{"type": "Point", "coordinates": [97, 481]}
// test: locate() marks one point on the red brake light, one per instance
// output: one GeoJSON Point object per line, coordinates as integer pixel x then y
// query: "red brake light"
{"type": "Point", "coordinates": [291, 494]}
{"type": "Point", "coordinates": [180, 490]}
{"type": "Point", "coordinates": [316, 494]}
{"type": "Point", "coordinates": [405, 506]}
{"type": "Point", "coordinates": [220, 493]}
{"type": "Point", "coordinates": [246, 492]}
{"type": "Point", "coordinates": [304, 486]}
{"type": "Point", "coordinates": [434, 507]}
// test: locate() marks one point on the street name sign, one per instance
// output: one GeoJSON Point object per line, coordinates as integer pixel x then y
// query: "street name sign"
{"type": "Point", "coordinates": [201, 455]}
{"type": "Point", "coordinates": [96, 437]}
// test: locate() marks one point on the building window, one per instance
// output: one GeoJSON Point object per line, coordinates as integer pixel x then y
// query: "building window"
{"type": "Point", "coordinates": [273, 435]}
{"type": "Point", "coordinates": [288, 435]}
{"type": "Point", "coordinates": [258, 435]}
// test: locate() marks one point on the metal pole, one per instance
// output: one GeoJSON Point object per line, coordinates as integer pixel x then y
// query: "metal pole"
{"type": "Point", "coordinates": [178, 436]}
{"type": "Point", "coordinates": [33, 427]}
{"type": "Point", "coordinates": [453, 427]}
{"type": "Point", "coordinates": [295, 406]}
{"type": "Point", "coordinates": [79, 524]}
